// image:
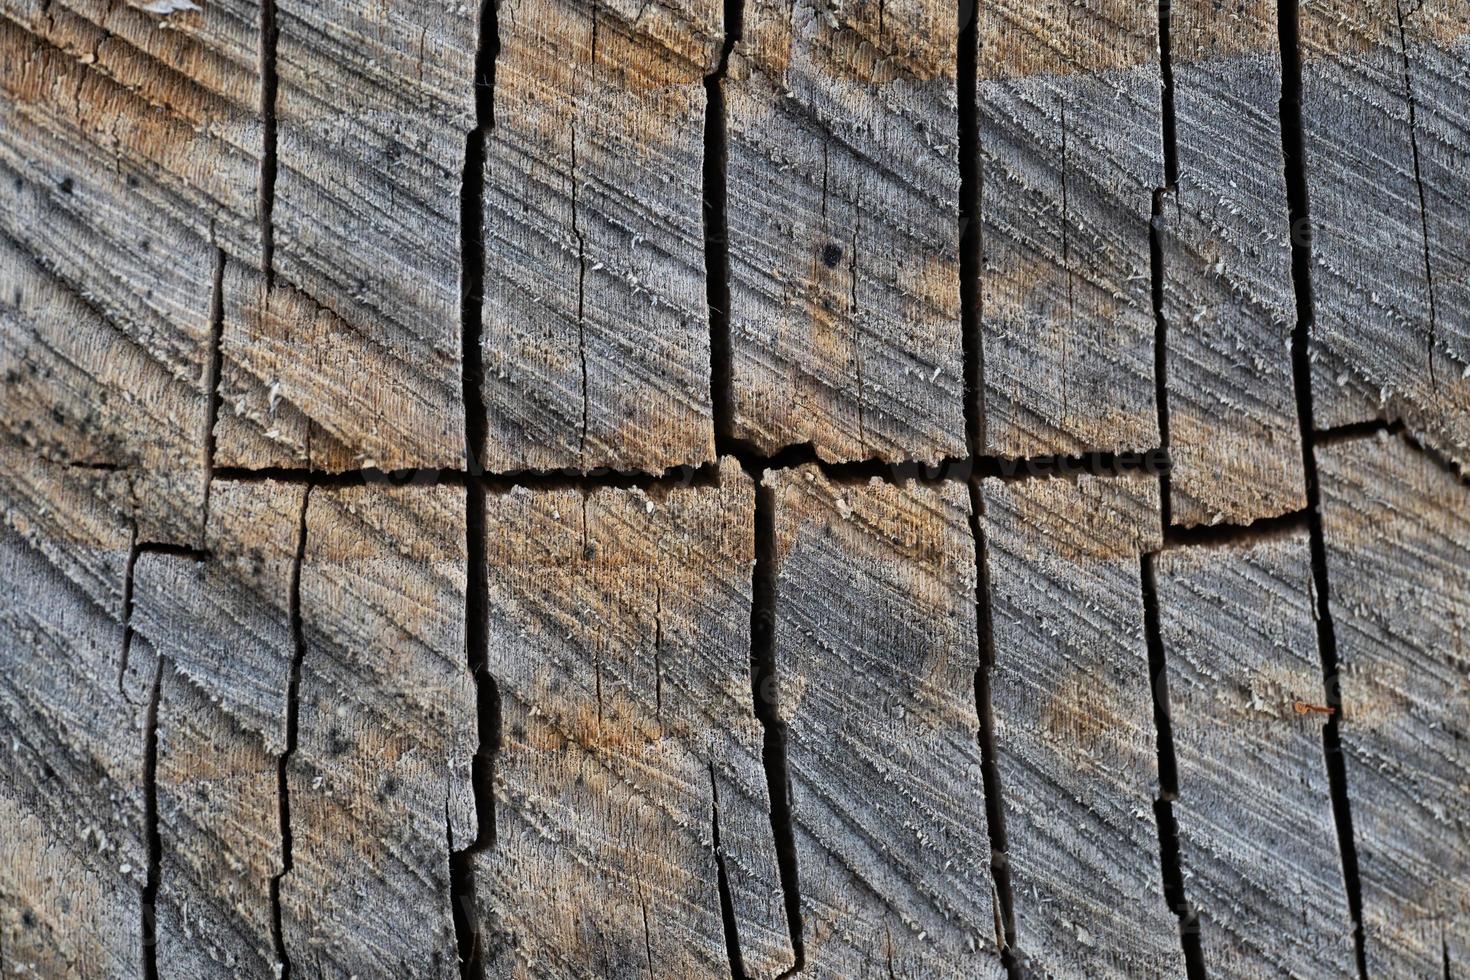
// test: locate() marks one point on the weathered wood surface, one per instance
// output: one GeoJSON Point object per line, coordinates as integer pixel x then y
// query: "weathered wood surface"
{"type": "Point", "coordinates": [1074, 724]}
{"type": "Point", "coordinates": [73, 857]}
{"type": "Point", "coordinates": [1397, 529]}
{"type": "Point", "coordinates": [1229, 306]}
{"type": "Point", "coordinates": [876, 653]}
{"type": "Point", "coordinates": [1384, 89]}
{"type": "Point", "coordinates": [617, 625]}
{"type": "Point", "coordinates": [379, 779]}
{"type": "Point", "coordinates": [843, 197]}
{"type": "Point", "coordinates": [1070, 155]}
{"type": "Point", "coordinates": [1258, 844]}
{"type": "Point", "coordinates": [221, 624]}
{"type": "Point", "coordinates": [357, 344]}
{"type": "Point", "coordinates": [596, 332]}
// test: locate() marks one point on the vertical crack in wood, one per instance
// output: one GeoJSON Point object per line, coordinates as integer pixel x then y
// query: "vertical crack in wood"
{"type": "Point", "coordinates": [765, 690]}
{"type": "Point", "coordinates": [716, 237]}
{"type": "Point", "coordinates": [1293, 152]}
{"type": "Point", "coordinates": [972, 337]}
{"type": "Point", "coordinates": [1170, 858]}
{"type": "Point", "coordinates": [1168, 133]}
{"type": "Point", "coordinates": [126, 652]}
{"type": "Point", "coordinates": [476, 425]}
{"type": "Point", "coordinates": [293, 688]}
{"type": "Point", "coordinates": [1419, 186]}
{"type": "Point", "coordinates": [995, 820]}
{"type": "Point", "coordinates": [213, 367]}
{"type": "Point", "coordinates": [269, 86]}
{"type": "Point", "coordinates": [722, 877]}
{"type": "Point", "coordinates": [152, 839]}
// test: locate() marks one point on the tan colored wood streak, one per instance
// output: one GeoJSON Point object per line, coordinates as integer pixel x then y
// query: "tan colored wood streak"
{"type": "Point", "coordinates": [379, 782]}
{"type": "Point", "coordinates": [876, 654]}
{"type": "Point", "coordinates": [1257, 840]}
{"type": "Point", "coordinates": [1389, 275]}
{"type": "Point", "coordinates": [843, 229]}
{"type": "Point", "coordinates": [1070, 153]}
{"type": "Point", "coordinates": [596, 330]}
{"type": "Point", "coordinates": [617, 637]}
{"type": "Point", "coordinates": [1398, 540]}
{"type": "Point", "coordinates": [73, 856]}
{"type": "Point", "coordinates": [1074, 723]}
{"type": "Point", "coordinates": [222, 625]}
{"type": "Point", "coordinates": [1229, 306]}
{"type": "Point", "coordinates": [300, 386]}
{"type": "Point", "coordinates": [374, 105]}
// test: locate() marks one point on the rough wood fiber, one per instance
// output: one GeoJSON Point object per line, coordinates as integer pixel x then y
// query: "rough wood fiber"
{"type": "Point", "coordinates": [374, 106]}
{"type": "Point", "coordinates": [843, 190]}
{"type": "Point", "coordinates": [617, 625]}
{"type": "Point", "coordinates": [222, 626]}
{"type": "Point", "coordinates": [1070, 154]}
{"type": "Point", "coordinates": [1229, 305]}
{"type": "Point", "coordinates": [73, 856]}
{"type": "Point", "coordinates": [379, 781]}
{"type": "Point", "coordinates": [876, 651]}
{"type": "Point", "coordinates": [1384, 90]}
{"type": "Point", "coordinates": [596, 329]}
{"type": "Point", "coordinates": [1258, 845]}
{"type": "Point", "coordinates": [1074, 724]}
{"type": "Point", "coordinates": [127, 152]}
{"type": "Point", "coordinates": [1398, 550]}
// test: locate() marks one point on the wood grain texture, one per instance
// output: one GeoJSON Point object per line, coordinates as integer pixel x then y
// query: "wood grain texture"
{"type": "Point", "coordinates": [843, 190]}
{"type": "Point", "coordinates": [1070, 154]}
{"type": "Point", "coordinates": [1229, 305]}
{"type": "Point", "coordinates": [1257, 840]}
{"type": "Point", "coordinates": [128, 153]}
{"type": "Point", "coordinates": [596, 329]}
{"type": "Point", "coordinates": [73, 856]}
{"type": "Point", "coordinates": [222, 626]}
{"type": "Point", "coordinates": [1398, 550]}
{"type": "Point", "coordinates": [379, 781]}
{"type": "Point", "coordinates": [374, 106]}
{"type": "Point", "coordinates": [1384, 89]}
{"type": "Point", "coordinates": [1074, 724]}
{"type": "Point", "coordinates": [618, 636]}
{"type": "Point", "coordinates": [876, 652]}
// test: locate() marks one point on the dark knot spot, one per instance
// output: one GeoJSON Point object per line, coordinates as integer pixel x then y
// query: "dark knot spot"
{"type": "Point", "coordinates": [831, 255]}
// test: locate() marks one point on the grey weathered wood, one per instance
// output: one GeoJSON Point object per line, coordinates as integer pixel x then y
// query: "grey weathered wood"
{"type": "Point", "coordinates": [843, 191]}
{"type": "Point", "coordinates": [617, 624]}
{"type": "Point", "coordinates": [1070, 154]}
{"type": "Point", "coordinates": [73, 857]}
{"type": "Point", "coordinates": [1074, 724]}
{"type": "Point", "coordinates": [362, 335]}
{"type": "Point", "coordinates": [1258, 845]}
{"type": "Point", "coordinates": [876, 652]}
{"type": "Point", "coordinates": [1398, 550]}
{"type": "Point", "coordinates": [596, 328]}
{"type": "Point", "coordinates": [379, 781]}
{"type": "Point", "coordinates": [1384, 87]}
{"type": "Point", "coordinates": [1228, 298]}
{"type": "Point", "coordinates": [222, 626]}
{"type": "Point", "coordinates": [108, 235]}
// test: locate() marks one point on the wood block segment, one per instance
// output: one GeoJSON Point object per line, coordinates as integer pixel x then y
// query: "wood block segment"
{"type": "Point", "coordinates": [1074, 724]}
{"type": "Point", "coordinates": [1228, 297]}
{"type": "Point", "coordinates": [596, 328]}
{"type": "Point", "coordinates": [1384, 86]}
{"type": "Point", "coordinates": [1258, 844]}
{"type": "Point", "coordinates": [843, 191]}
{"type": "Point", "coordinates": [73, 857]}
{"type": "Point", "coordinates": [876, 653]}
{"type": "Point", "coordinates": [375, 103]}
{"type": "Point", "coordinates": [618, 626]}
{"type": "Point", "coordinates": [1070, 154]}
{"type": "Point", "coordinates": [379, 781]}
{"type": "Point", "coordinates": [222, 626]}
{"type": "Point", "coordinates": [1398, 550]}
